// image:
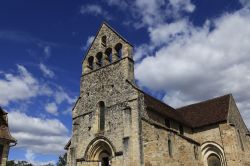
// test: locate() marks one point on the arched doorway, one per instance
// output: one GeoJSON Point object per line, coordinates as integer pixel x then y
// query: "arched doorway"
{"type": "Point", "coordinates": [213, 154]}
{"type": "Point", "coordinates": [213, 160]}
{"type": "Point", "coordinates": [105, 159]}
{"type": "Point", "coordinates": [100, 150]}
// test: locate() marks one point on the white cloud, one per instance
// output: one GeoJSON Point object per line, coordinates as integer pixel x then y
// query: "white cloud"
{"type": "Point", "coordinates": [88, 42]}
{"type": "Point", "coordinates": [197, 63]}
{"type": "Point", "coordinates": [61, 96]}
{"type": "Point", "coordinates": [152, 12]}
{"type": "Point", "coordinates": [51, 108]}
{"type": "Point", "coordinates": [47, 51]}
{"type": "Point", "coordinates": [46, 71]}
{"type": "Point", "coordinates": [95, 10]}
{"type": "Point", "coordinates": [41, 136]}
{"type": "Point", "coordinates": [18, 87]}
{"type": "Point", "coordinates": [31, 158]}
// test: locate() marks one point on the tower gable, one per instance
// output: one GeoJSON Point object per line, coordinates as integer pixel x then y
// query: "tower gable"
{"type": "Point", "coordinates": [108, 47]}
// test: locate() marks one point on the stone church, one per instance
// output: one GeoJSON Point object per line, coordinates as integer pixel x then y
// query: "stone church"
{"type": "Point", "coordinates": [6, 140]}
{"type": "Point", "coordinates": [117, 124]}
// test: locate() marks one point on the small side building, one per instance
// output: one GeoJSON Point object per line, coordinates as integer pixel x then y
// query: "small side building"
{"type": "Point", "coordinates": [6, 140]}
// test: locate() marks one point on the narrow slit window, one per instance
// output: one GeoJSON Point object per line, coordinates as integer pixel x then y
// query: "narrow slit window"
{"type": "Point", "coordinates": [104, 41]}
{"type": "Point", "coordinates": [240, 139]}
{"type": "Point", "coordinates": [102, 115]}
{"type": "Point", "coordinates": [196, 152]}
{"type": "Point", "coordinates": [170, 148]}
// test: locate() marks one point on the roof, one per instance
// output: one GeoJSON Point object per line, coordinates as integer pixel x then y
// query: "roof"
{"type": "Point", "coordinates": [207, 112]}
{"type": "Point", "coordinates": [66, 147]}
{"type": "Point", "coordinates": [162, 108]}
{"type": "Point", "coordinates": [195, 115]}
{"type": "Point", "coordinates": [4, 129]}
{"type": "Point", "coordinates": [2, 112]}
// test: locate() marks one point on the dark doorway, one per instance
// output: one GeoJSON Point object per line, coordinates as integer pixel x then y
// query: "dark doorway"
{"type": "Point", "coordinates": [213, 160]}
{"type": "Point", "coordinates": [105, 161]}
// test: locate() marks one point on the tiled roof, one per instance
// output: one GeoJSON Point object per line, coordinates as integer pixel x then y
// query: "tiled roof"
{"type": "Point", "coordinates": [162, 108]}
{"type": "Point", "coordinates": [207, 112]}
{"type": "Point", "coordinates": [195, 115]}
{"type": "Point", "coordinates": [4, 129]}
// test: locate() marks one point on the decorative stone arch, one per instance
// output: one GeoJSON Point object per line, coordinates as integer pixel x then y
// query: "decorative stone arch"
{"type": "Point", "coordinates": [212, 149]}
{"type": "Point", "coordinates": [98, 148]}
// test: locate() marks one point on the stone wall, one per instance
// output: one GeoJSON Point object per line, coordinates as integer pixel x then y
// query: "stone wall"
{"type": "Point", "coordinates": [5, 152]}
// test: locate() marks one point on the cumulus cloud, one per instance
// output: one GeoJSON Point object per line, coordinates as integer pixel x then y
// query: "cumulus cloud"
{"type": "Point", "coordinates": [21, 86]}
{"type": "Point", "coordinates": [95, 10]}
{"type": "Point", "coordinates": [46, 71]}
{"type": "Point", "coordinates": [197, 63]}
{"type": "Point", "coordinates": [31, 158]}
{"type": "Point", "coordinates": [152, 12]}
{"type": "Point", "coordinates": [51, 108]}
{"type": "Point", "coordinates": [43, 136]}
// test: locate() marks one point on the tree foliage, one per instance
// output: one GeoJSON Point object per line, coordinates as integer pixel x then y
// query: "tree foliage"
{"type": "Point", "coordinates": [62, 160]}
{"type": "Point", "coordinates": [19, 163]}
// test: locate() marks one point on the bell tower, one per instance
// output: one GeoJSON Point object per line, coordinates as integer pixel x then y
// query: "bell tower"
{"type": "Point", "coordinates": [105, 116]}
{"type": "Point", "coordinates": [109, 48]}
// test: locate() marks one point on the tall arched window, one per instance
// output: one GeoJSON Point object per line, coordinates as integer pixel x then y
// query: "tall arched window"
{"type": "Point", "coordinates": [108, 52]}
{"type": "Point", "coordinates": [170, 148]}
{"type": "Point", "coordinates": [99, 58]}
{"type": "Point", "coordinates": [90, 62]}
{"type": "Point", "coordinates": [102, 116]}
{"type": "Point", "coordinates": [118, 49]}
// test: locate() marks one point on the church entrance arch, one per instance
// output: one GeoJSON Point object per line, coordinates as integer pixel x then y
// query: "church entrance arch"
{"type": "Point", "coordinates": [100, 150]}
{"type": "Point", "coordinates": [213, 154]}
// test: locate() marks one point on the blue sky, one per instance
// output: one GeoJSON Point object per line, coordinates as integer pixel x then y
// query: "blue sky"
{"type": "Point", "coordinates": [196, 50]}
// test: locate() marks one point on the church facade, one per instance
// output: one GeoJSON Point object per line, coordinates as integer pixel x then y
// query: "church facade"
{"type": "Point", "coordinates": [117, 124]}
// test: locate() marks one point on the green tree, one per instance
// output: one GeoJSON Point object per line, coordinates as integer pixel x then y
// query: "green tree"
{"type": "Point", "coordinates": [19, 163]}
{"type": "Point", "coordinates": [10, 163]}
{"type": "Point", "coordinates": [62, 160]}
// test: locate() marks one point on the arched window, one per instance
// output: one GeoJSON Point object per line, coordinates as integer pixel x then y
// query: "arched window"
{"type": "Point", "coordinates": [104, 41]}
{"type": "Point", "coordinates": [196, 155]}
{"type": "Point", "coordinates": [90, 62]}
{"type": "Point", "coordinates": [102, 116]}
{"type": "Point", "coordinates": [213, 160]}
{"type": "Point", "coordinates": [99, 58]}
{"type": "Point", "coordinates": [118, 49]}
{"type": "Point", "coordinates": [170, 148]}
{"type": "Point", "coordinates": [108, 52]}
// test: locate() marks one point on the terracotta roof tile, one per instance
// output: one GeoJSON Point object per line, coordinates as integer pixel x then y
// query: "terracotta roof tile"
{"type": "Point", "coordinates": [195, 115]}
{"type": "Point", "coordinates": [207, 112]}
{"type": "Point", "coordinates": [162, 108]}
